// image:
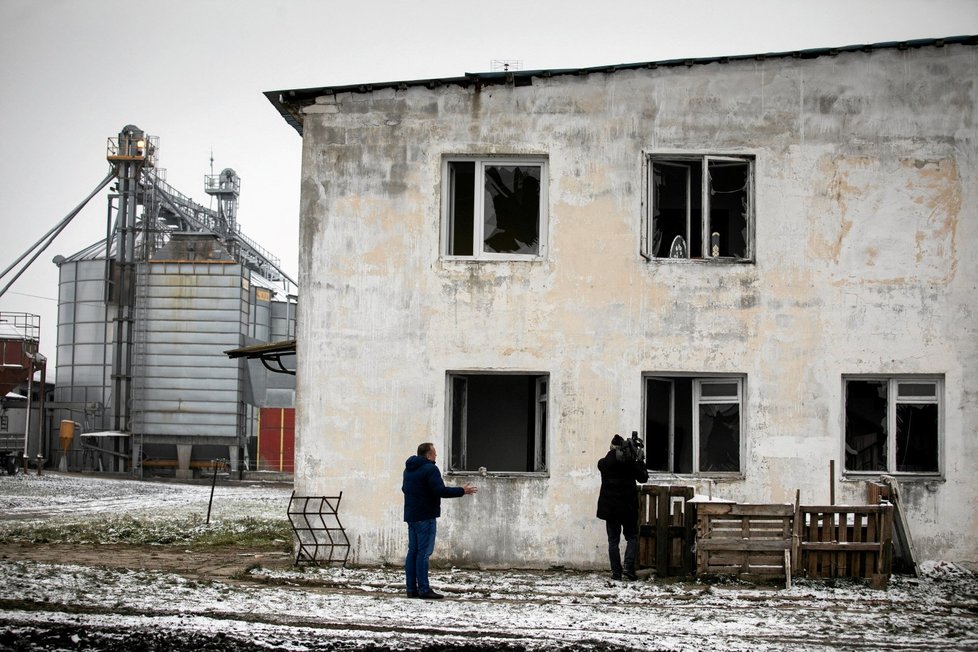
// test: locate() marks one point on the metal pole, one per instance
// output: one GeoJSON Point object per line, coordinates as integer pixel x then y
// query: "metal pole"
{"type": "Point", "coordinates": [56, 231]}
{"type": "Point", "coordinates": [42, 444]}
{"type": "Point", "coordinates": [27, 426]}
{"type": "Point", "coordinates": [215, 463]}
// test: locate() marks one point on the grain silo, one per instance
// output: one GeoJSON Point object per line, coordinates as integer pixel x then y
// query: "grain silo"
{"type": "Point", "coordinates": [144, 318]}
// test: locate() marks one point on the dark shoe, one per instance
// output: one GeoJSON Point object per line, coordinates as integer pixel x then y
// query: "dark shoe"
{"type": "Point", "coordinates": [616, 576]}
{"type": "Point", "coordinates": [430, 595]}
{"type": "Point", "coordinates": [412, 594]}
{"type": "Point", "coordinates": [630, 576]}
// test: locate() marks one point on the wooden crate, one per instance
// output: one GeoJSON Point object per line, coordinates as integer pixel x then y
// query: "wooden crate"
{"type": "Point", "coordinates": [665, 535]}
{"type": "Point", "coordinates": [845, 541]}
{"type": "Point", "coordinates": [748, 541]}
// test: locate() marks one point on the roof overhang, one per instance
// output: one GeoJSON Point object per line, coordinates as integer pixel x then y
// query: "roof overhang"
{"type": "Point", "coordinates": [290, 103]}
{"type": "Point", "coordinates": [270, 354]}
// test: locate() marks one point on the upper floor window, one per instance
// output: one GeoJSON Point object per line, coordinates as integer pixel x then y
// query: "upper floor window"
{"type": "Point", "coordinates": [495, 208]}
{"type": "Point", "coordinates": [893, 424]}
{"type": "Point", "coordinates": [700, 207]}
{"type": "Point", "coordinates": [693, 424]}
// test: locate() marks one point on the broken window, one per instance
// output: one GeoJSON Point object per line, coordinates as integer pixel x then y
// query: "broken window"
{"type": "Point", "coordinates": [495, 208]}
{"type": "Point", "coordinates": [700, 207]}
{"type": "Point", "coordinates": [892, 424]}
{"type": "Point", "coordinates": [498, 421]}
{"type": "Point", "coordinates": [693, 424]}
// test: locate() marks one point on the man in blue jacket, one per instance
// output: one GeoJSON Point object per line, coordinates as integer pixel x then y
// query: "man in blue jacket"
{"type": "Point", "coordinates": [423, 490]}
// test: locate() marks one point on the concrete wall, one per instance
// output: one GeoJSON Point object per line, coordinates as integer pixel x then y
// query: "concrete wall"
{"type": "Point", "coordinates": [865, 250]}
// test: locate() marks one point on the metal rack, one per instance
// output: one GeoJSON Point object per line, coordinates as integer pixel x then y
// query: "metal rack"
{"type": "Point", "coordinates": [319, 534]}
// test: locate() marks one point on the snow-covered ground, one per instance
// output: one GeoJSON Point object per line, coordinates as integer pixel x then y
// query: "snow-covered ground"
{"type": "Point", "coordinates": [105, 606]}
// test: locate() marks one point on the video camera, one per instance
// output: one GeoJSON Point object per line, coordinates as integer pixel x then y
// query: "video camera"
{"type": "Point", "coordinates": [633, 450]}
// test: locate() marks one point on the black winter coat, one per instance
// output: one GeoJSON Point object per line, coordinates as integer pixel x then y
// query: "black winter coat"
{"type": "Point", "coordinates": [618, 499]}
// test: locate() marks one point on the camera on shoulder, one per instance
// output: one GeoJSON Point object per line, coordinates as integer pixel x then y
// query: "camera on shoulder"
{"type": "Point", "coordinates": [633, 450]}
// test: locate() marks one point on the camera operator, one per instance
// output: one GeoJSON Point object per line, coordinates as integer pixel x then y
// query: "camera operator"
{"type": "Point", "coordinates": [621, 468]}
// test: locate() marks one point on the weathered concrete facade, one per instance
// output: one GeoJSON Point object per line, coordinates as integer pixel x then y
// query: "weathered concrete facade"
{"type": "Point", "coordinates": [864, 233]}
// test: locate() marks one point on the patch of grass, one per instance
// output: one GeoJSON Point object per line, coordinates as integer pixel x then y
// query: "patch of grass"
{"type": "Point", "coordinates": [249, 532]}
{"type": "Point", "coordinates": [192, 531]}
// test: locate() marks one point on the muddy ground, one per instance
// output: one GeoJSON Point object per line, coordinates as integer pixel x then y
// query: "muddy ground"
{"type": "Point", "coordinates": [100, 595]}
{"type": "Point", "coordinates": [213, 563]}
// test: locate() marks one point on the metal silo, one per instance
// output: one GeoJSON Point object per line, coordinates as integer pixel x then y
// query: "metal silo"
{"type": "Point", "coordinates": [194, 302]}
{"type": "Point", "coordinates": [146, 315]}
{"type": "Point", "coordinates": [84, 349]}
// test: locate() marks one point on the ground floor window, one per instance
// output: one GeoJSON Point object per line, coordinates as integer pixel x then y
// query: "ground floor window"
{"type": "Point", "coordinates": [498, 421]}
{"type": "Point", "coordinates": [893, 424]}
{"type": "Point", "coordinates": [693, 424]}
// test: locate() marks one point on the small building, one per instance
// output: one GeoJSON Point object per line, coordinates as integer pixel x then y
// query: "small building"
{"type": "Point", "coordinates": [23, 388]}
{"type": "Point", "coordinates": [758, 263]}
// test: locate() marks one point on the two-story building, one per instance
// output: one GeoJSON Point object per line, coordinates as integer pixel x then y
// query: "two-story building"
{"type": "Point", "coordinates": [764, 265]}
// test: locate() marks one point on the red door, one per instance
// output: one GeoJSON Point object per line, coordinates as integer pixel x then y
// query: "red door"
{"type": "Point", "coordinates": [276, 440]}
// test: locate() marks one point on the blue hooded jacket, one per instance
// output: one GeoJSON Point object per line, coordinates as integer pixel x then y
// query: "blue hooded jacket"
{"type": "Point", "coordinates": [423, 490]}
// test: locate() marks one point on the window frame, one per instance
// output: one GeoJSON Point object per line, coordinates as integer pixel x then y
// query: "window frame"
{"type": "Point", "coordinates": [893, 399]}
{"type": "Point", "coordinates": [541, 422]}
{"type": "Point", "coordinates": [478, 217]}
{"type": "Point", "coordinates": [704, 159]}
{"type": "Point", "coordinates": [698, 380]}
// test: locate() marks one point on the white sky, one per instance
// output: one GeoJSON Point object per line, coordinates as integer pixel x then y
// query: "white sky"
{"type": "Point", "coordinates": [192, 72]}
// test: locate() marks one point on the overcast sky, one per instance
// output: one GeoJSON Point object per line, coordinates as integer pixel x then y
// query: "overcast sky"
{"type": "Point", "coordinates": [192, 72]}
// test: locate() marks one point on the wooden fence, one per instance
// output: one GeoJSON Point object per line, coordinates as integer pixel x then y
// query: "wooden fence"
{"type": "Point", "coordinates": [845, 541]}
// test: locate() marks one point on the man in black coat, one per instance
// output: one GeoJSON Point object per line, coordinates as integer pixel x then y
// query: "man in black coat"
{"type": "Point", "coordinates": [620, 469]}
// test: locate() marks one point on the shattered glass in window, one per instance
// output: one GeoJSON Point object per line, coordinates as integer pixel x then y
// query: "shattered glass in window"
{"type": "Point", "coordinates": [512, 209]}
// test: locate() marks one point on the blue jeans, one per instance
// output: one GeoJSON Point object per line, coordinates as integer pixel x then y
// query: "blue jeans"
{"type": "Point", "coordinates": [421, 543]}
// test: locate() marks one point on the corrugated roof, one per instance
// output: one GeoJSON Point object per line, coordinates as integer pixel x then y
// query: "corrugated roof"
{"type": "Point", "coordinates": [289, 103]}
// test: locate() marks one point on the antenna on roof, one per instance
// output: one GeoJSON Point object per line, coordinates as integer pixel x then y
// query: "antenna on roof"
{"type": "Point", "coordinates": [506, 65]}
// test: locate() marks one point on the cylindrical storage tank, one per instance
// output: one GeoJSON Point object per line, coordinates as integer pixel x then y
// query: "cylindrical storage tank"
{"type": "Point", "coordinates": [261, 313]}
{"type": "Point", "coordinates": [189, 390]}
{"type": "Point", "coordinates": [283, 321]}
{"type": "Point", "coordinates": [84, 358]}
{"type": "Point", "coordinates": [84, 341]}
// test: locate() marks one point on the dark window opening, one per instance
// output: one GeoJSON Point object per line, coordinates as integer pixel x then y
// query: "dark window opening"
{"type": "Point", "coordinates": [866, 425]}
{"type": "Point", "coordinates": [697, 217]}
{"type": "Point", "coordinates": [462, 200]}
{"type": "Point", "coordinates": [916, 438]}
{"type": "Point", "coordinates": [693, 424]}
{"type": "Point", "coordinates": [498, 421]}
{"type": "Point", "coordinates": [892, 416]}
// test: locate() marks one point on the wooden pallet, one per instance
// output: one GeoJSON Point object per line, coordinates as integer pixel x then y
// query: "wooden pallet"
{"type": "Point", "coordinates": [747, 541]}
{"type": "Point", "coordinates": [665, 533]}
{"type": "Point", "coordinates": [845, 541]}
